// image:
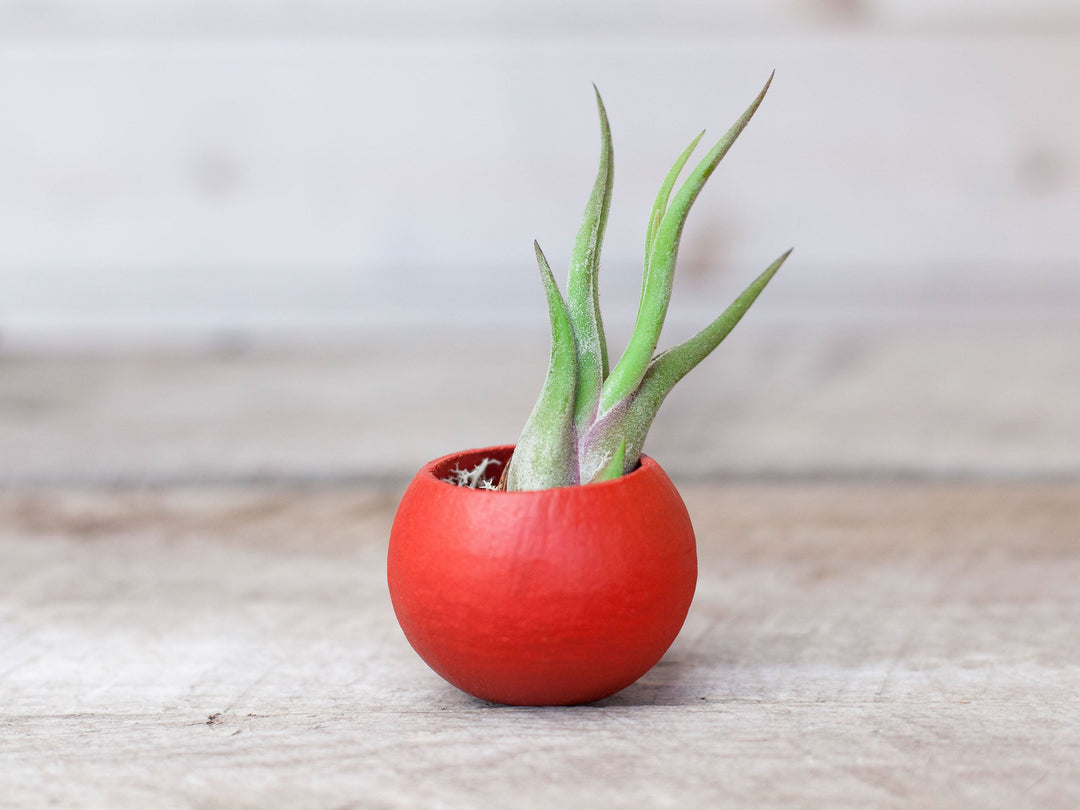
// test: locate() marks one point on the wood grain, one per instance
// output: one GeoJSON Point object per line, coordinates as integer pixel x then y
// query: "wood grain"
{"type": "Point", "coordinates": [94, 19]}
{"type": "Point", "coordinates": [802, 402]}
{"type": "Point", "coordinates": [162, 187]}
{"type": "Point", "coordinates": [193, 610]}
{"type": "Point", "coordinates": [869, 646]}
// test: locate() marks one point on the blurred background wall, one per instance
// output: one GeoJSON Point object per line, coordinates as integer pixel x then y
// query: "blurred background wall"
{"type": "Point", "coordinates": [188, 171]}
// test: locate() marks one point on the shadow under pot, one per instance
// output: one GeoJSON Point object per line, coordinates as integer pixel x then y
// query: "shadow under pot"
{"type": "Point", "coordinates": [552, 597]}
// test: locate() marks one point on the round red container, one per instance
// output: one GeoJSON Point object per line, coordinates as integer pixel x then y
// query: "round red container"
{"type": "Point", "coordinates": [553, 597]}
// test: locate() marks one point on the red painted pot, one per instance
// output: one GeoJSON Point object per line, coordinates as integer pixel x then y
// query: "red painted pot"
{"type": "Point", "coordinates": [554, 597]}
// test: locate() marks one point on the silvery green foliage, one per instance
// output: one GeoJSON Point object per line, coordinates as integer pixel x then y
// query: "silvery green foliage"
{"type": "Point", "coordinates": [590, 422]}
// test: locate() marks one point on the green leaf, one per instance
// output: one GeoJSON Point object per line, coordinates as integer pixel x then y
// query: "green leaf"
{"type": "Point", "coordinates": [545, 456]}
{"type": "Point", "coordinates": [582, 291]}
{"type": "Point", "coordinates": [675, 363]}
{"type": "Point", "coordinates": [660, 265]}
{"type": "Point", "coordinates": [664, 194]}
{"type": "Point", "coordinates": [629, 420]}
{"type": "Point", "coordinates": [614, 468]}
{"type": "Point", "coordinates": [660, 207]}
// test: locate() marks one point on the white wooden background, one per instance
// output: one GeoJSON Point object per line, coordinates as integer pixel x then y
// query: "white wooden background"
{"type": "Point", "coordinates": [190, 168]}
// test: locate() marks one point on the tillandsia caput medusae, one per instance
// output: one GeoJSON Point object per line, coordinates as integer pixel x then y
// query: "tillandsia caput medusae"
{"type": "Point", "coordinates": [590, 421]}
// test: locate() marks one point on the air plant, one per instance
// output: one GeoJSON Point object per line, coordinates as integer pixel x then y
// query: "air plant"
{"type": "Point", "coordinates": [590, 421]}
{"type": "Point", "coordinates": [566, 594]}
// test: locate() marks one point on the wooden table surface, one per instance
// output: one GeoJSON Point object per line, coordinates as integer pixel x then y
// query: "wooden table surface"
{"type": "Point", "coordinates": [193, 610]}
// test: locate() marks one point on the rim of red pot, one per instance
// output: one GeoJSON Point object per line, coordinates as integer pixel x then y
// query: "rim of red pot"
{"type": "Point", "coordinates": [435, 470]}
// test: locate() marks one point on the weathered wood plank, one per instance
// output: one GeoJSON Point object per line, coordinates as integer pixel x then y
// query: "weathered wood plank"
{"type": "Point", "coordinates": [849, 646]}
{"type": "Point", "coordinates": [783, 402]}
{"type": "Point", "coordinates": [93, 19]}
{"type": "Point", "coordinates": [151, 188]}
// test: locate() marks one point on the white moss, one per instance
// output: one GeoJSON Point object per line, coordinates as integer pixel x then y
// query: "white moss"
{"type": "Point", "coordinates": [474, 478]}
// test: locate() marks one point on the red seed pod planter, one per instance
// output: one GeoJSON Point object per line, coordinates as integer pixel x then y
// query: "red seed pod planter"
{"type": "Point", "coordinates": [549, 597]}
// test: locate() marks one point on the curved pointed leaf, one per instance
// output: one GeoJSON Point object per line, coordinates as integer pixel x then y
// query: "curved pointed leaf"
{"type": "Point", "coordinates": [582, 290]}
{"type": "Point", "coordinates": [664, 194]}
{"type": "Point", "coordinates": [656, 292]}
{"type": "Point", "coordinates": [545, 456]}
{"type": "Point", "coordinates": [675, 363]}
